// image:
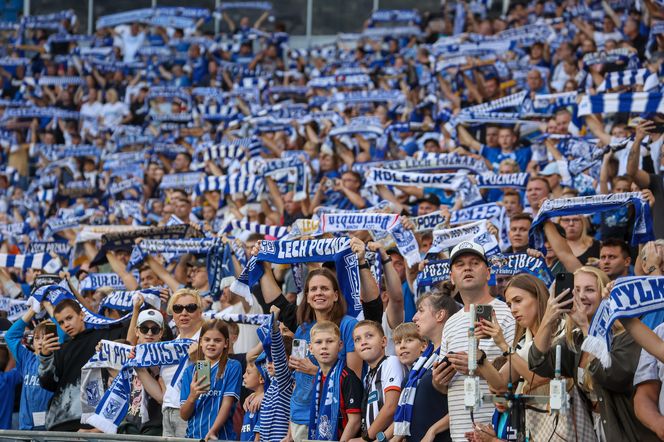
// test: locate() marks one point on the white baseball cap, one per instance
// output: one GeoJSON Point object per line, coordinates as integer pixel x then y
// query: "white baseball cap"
{"type": "Point", "coordinates": [150, 315]}
{"type": "Point", "coordinates": [467, 247]}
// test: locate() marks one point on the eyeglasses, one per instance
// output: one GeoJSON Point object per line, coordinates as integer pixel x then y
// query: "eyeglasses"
{"type": "Point", "coordinates": [155, 329]}
{"type": "Point", "coordinates": [190, 308]}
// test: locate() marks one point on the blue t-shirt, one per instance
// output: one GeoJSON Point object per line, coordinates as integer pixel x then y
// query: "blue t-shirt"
{"type": "Point", "coordinates": [301, 398]}
{"type": "Point", "coordinates": [208, 405]}
{"type": "Point", "coordinates": [250, 426]}
{"type": "Point", "coordinates": [495, 155]}
{"type": "Point", "coordinates": [34, 399]}
{"type": "Point", "coordinates": [8, 382]}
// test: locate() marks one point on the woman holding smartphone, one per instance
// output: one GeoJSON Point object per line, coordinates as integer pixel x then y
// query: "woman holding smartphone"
{"type": "Point", "coordinates": [527, 298]}
{"type": "Point", "coordinates": [323, 300]}
{"type": "Point", "coordinates": [608, 391]}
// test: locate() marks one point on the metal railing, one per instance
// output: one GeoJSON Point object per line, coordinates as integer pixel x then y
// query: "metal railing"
{"type": "Point", "coordinates": [58, 436]}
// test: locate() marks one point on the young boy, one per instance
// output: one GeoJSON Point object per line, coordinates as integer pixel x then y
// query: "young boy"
{"type": "Point", "coordinates": [254, 379]}
{"type": "Point", "coordinates": [408, 343]}
{"type": "Point", "coordinates": [60, 366]}
{"type": "Point", "coordinates": [337, 392]}
{"type": "Point", "coordinates": [382, 384]}
{"type": "Point", "coordinates": [34, 399]}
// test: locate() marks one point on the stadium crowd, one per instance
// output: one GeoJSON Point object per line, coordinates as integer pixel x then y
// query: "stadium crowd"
{"type": "Point", "coordinates": [447, 226]}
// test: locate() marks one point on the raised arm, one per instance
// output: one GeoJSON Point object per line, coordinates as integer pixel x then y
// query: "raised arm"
{"type": "Point", "coordinates": [640, 177]}
{"type": "Point", "coordinates": [127, 278]}
{"type": "Point", "coordinates": [562, 249]}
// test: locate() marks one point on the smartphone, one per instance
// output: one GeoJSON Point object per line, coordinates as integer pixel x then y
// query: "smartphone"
{"type": "Point", "coordinates": [50, 329]}
{"type": "Point", "coordinates": [299, 349]}
{"type": "Point", "coordinates": [443, 359]}
{"type": "Point", "coordinates": [565, 281]}
{"type": "Point", "coordinates": [202, 369]}
{"type": "Point", "coordinates": [483, 311]}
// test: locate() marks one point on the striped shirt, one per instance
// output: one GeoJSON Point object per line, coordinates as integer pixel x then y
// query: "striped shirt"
{"type": "Point", "coordinates": [275, 407]}
{"type": "Point", "coordinates": [455, 338]}
{"type": "Point", "coordinates": [207, 405]}
{"type": "Point", "coordinates": [388, 376]}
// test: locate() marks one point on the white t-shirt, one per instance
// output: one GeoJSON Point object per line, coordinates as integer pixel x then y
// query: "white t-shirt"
{"type": "Point", "coordinates": [113, 113]}
{"type": "Point", "coordinates": [455, 338]}
{"type": "Point", "coordinates": [248, 338]}
{"type": "Point", "coordinates": [172, 393]}
{"type": "Point", "coordinates": [650, 369]}
{"type": "Point", "coordinates": [129, 44]}
{"type": "Point", "coordinates": [90, 113]}
{"type": "Point", "coordinates": [390, 350]}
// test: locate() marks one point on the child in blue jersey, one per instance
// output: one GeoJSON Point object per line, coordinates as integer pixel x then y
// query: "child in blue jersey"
{"type": "Point", "coordinates": [34, 398]}
{"type": "Point", "coordinates": [208, 404]}
{"type": "Point", "coordinates": [254, 380]}
{"type": "Point", "coordinates": [8, 381]}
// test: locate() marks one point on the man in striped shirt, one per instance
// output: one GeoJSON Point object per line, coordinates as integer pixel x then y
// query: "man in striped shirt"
{"type": "Point", "coordinates": [470, 274]}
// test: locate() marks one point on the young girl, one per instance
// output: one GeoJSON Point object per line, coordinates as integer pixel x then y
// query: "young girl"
{"type": "Point", "coordinates": [208, 404]}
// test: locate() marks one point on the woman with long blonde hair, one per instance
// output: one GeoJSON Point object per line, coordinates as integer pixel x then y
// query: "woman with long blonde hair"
{"type": "Point", "coordinates": [608, 391]}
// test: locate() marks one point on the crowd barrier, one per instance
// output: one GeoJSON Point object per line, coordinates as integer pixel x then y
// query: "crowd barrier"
{"type": "Point", "coordinates": [57, 436]}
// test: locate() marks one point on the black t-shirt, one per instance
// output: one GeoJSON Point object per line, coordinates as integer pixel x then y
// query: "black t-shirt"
{"type": "Point", "coordinates": [429, 407]}
{"type": "Point", "coordinates": [591, 252]}
{"type": "Point", "coordinates": [350, 401]}
{"type": "Point", "coordinates": [657, 188]}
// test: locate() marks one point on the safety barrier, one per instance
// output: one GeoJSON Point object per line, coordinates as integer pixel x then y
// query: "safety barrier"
{"type": "Point", "coordinates": [58, 436]}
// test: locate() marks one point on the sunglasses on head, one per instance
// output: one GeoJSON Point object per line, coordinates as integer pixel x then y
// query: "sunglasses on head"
{"type": "Point", "coordinates": [155, 329]}
{"type": "Point", "coordinates": [190, 308]}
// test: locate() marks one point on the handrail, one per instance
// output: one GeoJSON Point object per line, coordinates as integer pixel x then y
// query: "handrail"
{"type": "Point", "coordinates": [39, 436]}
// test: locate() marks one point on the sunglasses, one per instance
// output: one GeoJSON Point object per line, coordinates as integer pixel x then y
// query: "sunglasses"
{"type": "Point", "coordinates": [155, 329]}
{"type": "Point", "coordinates": [190, 308]}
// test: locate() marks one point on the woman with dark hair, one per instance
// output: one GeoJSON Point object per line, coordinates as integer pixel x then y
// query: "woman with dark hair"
{"type": "Point", "coordinates": [323, 301]}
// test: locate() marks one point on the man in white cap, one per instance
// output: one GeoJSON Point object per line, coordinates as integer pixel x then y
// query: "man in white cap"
{"type": "Point", "coordinates": [470, 272]}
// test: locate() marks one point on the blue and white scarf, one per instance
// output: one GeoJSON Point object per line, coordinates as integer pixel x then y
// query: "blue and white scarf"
{"type": "Point", "coordinates": [337, 81]}
{"type": "Point", "coordinates": [475, 232]}
{"type": "Point", "coordinates": [96, 280]}
{"type": "Point", "coordinates": [650, 102]}
{"type": "Point", "coordinates": [39, 112]}
{"type": "Point", "coordinates": [113, 355]}
{"type": "Point", "coordinates": [147, 247]}
{"type": "Point", "coordinates": [500, 181]}
{"type": "Point", "coordinates": [219, 265]}
{"type": "Point", "coordinates": [404, 412]}
{"type": "Point", "coordinates": [232, 184]}
{"type": "Point", "coordinates": [394, 15]}
{"type": "Point", "coordinates": [587, 205]}
{"type": "Point", "coordinates": [29, 261]}
{"type": "Point", "coordinates": [374, 222]}
{"type": "Point", "coordinates": [113, 406]}
{"type": "Point", "coordinates": [629, 78]}
{"type": "Point", "coordinates": [314, 250]}
{"type": "Point", "coordinates": [326, 404]}
{"type": "Point", "coordinates": [187, 180]}
{"type": "Point", "coordinates": [448, 181]}
{"type": "Point", "coordinates": [630, 297]}
{"type": "Point", "coordinates": [124, 299]}
{"type": "Point", "coordinates": [275, 231]}
{"type": "Point", "coordinates": [56, 294]}
{"type": "Point", "coordinates": [261, 6]}
{"type": "Point", "coordinates": [15, 308]}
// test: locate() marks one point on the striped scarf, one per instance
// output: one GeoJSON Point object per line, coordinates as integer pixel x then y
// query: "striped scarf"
{"type": "Point", "coordinates": [231, 184]}
{"type": "Point", "coordinates": [629, 78]}
{"type": "Point", "coordinates": [179, 246]}
{"type": "Point", "coordinates": [650, 102]}
{"type": "Point", "coordinates": [630, 297]}
{"type": "Point", "coordinates": [475, 232]}
{"type": "Point", "coordinates": [404, 412]}
{"type": "Point", "coordinates": [587, 205]}
{"type": "Point", "coordinates": [274, 231]}
{"type": "Point", "coordinates": [37, 261]}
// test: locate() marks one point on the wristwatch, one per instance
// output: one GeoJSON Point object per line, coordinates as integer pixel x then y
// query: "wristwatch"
{"type": "Point", "coordinates": [380, 437]}
{"type": "Point", "coordinates": [482, 358]}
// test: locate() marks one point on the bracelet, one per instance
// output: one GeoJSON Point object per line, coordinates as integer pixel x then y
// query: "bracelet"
{"type": "Point", "coordinates": [364, 266]}
{"type": "Point", "coordinates": [387, 261]}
